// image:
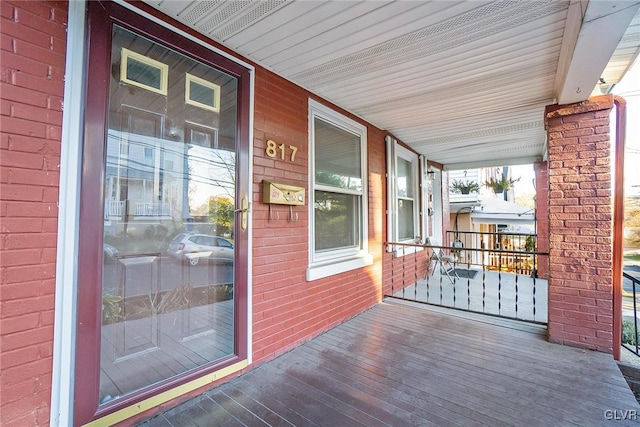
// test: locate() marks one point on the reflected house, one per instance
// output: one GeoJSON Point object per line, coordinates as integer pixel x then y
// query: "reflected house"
{"type": "Point", "coordinates": [144, 178]}
{"type": "Point", "coordinates": [147, 181]}
{"type": "Point", "coordinates": [486, 220]}
{"type": "Point", "coordinates": [492, 223]}
{"type": "Point", "coordinates": [176, 114]}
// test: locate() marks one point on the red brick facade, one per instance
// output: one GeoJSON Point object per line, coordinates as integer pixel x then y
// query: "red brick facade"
{"type": "Point", "coordinates": [288, 310]}
{"type": "Point", "coordinates": [580, 227]}
{"type": "Point", "coordinates": [32, 61]}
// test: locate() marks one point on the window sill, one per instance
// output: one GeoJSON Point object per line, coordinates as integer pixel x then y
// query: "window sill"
{"type": "Point", "coordinates": [316, 272]}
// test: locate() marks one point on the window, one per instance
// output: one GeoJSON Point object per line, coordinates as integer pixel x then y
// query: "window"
{"type": "Point", "coordinates": [338, 229]}
{"type": "Point", "coordinates": [202, 93]}
{"type": "Point", "coordinates": [403, 194]}
{"type": "Point", "coordinates": [224, 243]}
{"type": "Point", "coordinates": [202, 136]}
{"type": "Point", "coordinates": [148, 155]}
{"type": "Point", "coordinates": [143, 72]}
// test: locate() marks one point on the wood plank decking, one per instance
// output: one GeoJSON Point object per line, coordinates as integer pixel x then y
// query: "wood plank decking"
{"type": "Point", "coordinates": [402, 365]}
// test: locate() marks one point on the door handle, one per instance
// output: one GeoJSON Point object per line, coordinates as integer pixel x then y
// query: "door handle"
{"type": "Point", "coordinates": [244, 210]}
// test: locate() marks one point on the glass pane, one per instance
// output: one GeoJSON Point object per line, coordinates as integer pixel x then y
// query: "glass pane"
{"type": "Point", "coordinates": [405, 178]}
{"type": "Point", "coordinates": [168, 281]}
{"type": "Point", "coordinates": [337, 221]}
{"type": "Point", "coordinates": [405, 220]}
{"type": "Point", "coordinates": [201, 136]}
{"type": "Point", "coordinates": [203, 139]}
{"type": "Point", "coordinates": [144, 74]}
{"type": "Point", "coordinates": [202, 94]}
{"type": "Point", "coordinates": [337, 157]}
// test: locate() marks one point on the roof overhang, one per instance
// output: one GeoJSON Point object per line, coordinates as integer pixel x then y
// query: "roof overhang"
{"type": "Point", "coordinates": [507, 219]}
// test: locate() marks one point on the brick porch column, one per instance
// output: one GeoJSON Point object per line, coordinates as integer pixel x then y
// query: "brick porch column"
{"type": "Point", "coordinates": [580, 224]}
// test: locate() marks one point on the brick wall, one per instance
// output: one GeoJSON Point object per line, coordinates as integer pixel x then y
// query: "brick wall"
{"type": "Point", "coordinates": [403, 270]}
{"type": "Point", "coordinates": [288, 310]}
{"type": "Point", "coordinates": [32, 60]}
{"type": "Point", "coordinates": [580, 228]}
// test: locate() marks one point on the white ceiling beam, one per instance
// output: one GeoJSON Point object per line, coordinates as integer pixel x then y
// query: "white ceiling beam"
{"type": "Point", "coordinates": [603, 26]}
{"type": "Point", "coordinates": [492, 163]}
{"type": "Point", "coordinates": [575, 14]}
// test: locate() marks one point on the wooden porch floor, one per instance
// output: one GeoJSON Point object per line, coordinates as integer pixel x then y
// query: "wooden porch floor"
{"type": "Point", "coordinates": [402, 365]}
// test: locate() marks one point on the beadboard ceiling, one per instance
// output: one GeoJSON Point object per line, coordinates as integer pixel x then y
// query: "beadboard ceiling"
{"type": "Point", "coordinates": [463, 82]}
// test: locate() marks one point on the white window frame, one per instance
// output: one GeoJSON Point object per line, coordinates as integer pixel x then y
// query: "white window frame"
{"type": "Point", "coordinates": [394, 152]}
{"type": "Point", "coordinates": [329, 263]}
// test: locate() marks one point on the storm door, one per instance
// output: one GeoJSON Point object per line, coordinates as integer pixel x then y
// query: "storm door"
{"type": "Point", "coordinates": [168, 294]}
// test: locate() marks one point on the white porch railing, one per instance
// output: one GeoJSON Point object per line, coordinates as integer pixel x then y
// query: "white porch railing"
{"type": "Point", "coordinates": [140, 209]}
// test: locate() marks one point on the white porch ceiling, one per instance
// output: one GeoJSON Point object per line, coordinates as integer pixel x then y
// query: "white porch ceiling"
{"type": "Point", "coordinates": [463, 82]}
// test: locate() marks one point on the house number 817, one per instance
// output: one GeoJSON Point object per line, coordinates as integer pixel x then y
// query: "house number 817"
{"type": "Point", "coordinates": [273, 148]}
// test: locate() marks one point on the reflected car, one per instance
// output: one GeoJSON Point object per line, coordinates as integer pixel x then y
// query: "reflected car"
{"type": "Point", "coordinates": [109, 253]}
{"type": "Point", "coordinates": [194, 248]}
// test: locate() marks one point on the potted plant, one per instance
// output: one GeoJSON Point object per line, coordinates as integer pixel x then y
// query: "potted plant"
{"type": "Point", "coordinates": [464, 187]}
{"type": "Point", "coordinates": [499, 185]}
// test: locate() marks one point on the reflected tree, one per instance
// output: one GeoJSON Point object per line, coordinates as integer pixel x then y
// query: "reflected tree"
{"type": "Point", "coordinates": [221, 212]}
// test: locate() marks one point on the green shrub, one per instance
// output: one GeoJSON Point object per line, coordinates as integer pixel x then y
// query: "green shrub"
{"type": "Point", "coordinates": [627, 333]}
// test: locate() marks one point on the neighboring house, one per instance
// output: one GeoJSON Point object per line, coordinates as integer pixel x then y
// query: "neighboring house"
{"type": "Point", "coordinates": [506, 216]}
{"type": "Point", "coordinates": [479, 209]}
{"type": "Point", "coordinates": [133, 183]}
{"type": "Point", "coordinates": [123, 119]}
{"type": "Point", "coordinates": [482, 217]}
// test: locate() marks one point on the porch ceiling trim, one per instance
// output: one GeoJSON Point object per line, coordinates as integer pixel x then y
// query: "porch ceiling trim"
{"type": "Point", "coordinates": [459, 81]}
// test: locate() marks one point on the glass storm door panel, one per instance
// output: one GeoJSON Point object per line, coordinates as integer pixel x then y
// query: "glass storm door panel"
{"type": "Point", "coordinates": [163, 241]}
{"type": "Point", "coordinates": [170, 188]}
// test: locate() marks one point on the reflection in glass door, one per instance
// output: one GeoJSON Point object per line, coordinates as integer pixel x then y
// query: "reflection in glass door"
{"type": "Point", "coordinates": [170, 186]}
